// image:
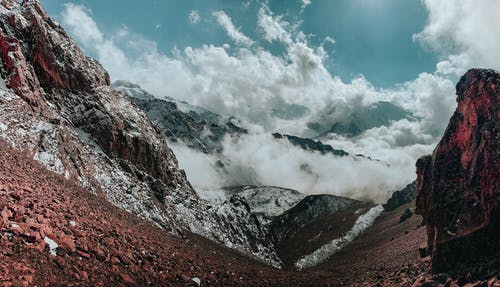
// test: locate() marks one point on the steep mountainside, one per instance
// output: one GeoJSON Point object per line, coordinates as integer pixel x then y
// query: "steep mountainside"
{"type": "Point", "coordinates": [459, 185]}
{"type": "Point", "coordinates": [402, 196]}
{"type": "Point", "coordinates": [58, 107]}
{"type": "Point", "coordinates": [198, 128]}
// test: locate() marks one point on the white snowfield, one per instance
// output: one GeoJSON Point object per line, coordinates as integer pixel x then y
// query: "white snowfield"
{"type": "Point", "coordinates": [327, 250]}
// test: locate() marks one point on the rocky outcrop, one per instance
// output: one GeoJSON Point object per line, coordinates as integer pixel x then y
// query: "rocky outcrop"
{"type": "Point", "coordinates": [197, 128]}
{"type": "Point", "coordinates": [311, 145]}
{"type": "Point", "coordinates": [459, 184]}
{"type": "Point", "coordinates": [58, 107]}
{"type": "Point", "coordinates": [401, 197]}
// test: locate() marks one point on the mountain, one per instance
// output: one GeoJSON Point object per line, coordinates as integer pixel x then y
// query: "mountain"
{"type": "Point", "coordinates": [198, 128]}
{"type": "Point", "coordinates": [311, 145]}
{"type": "Point", "coordinates": [459, 184]}
{"type": "Point", "coordinates": [58, 107]}
{"type": "Point", "coordinates": [402, 196]}
{"type": "Point", "coordinates": [356, 122]}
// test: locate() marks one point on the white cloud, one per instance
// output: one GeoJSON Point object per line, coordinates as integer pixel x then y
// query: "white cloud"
{"type": "Point", "coordinates": [330, 40]}
{"type": "Point", "coordinates": [304, 3]}
{"type": "Point", "coordinates": [463, 32]}
{"type": "Point", "coordinates": [273, 27]}
{"type": "Point", "coordinates": [194, 17]}
{"type": "Point", "coordinates": [234, 33]}
{"type": "Point", "coordinates": [261, 158]}
{"type": "Point", "coordinates": [77, 18]}
{"type": "Point", "coordinates": [250, 82]}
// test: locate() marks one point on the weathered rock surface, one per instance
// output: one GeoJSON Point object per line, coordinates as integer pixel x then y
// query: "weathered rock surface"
{"type": "Point", "coordinates": [313, 222]}
{"type": "Point", "coordinates": [311, 145]}
{"type": "Point", "coordinates": [196, 127]}
{"type": "Point", "coordinates": [402, 196]}
{"type": "Point", "coordinates": [459, 185]}
{"type": "Point", "coordinates": [58, 107]}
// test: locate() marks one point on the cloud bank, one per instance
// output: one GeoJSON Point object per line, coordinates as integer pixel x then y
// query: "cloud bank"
{"type": "Point", "coordinates": [251, 83]}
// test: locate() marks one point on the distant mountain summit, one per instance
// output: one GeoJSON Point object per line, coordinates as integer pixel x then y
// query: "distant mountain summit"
{"type": "Point", "coordinates": [198, 128]}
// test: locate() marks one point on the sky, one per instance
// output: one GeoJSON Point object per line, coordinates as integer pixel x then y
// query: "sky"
{"type": "Point", "coordinates": [330, 58]}
{"type": "Point", "coordinates": [373, 38]}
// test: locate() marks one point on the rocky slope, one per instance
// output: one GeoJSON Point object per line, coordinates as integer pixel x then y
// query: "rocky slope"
{"type": "Point", "coordinates": [196, 127]}
{"type": "Point", "coordinates": [402, 196]}
{"type": "Point", "coordinates": [459, 184]}
{"type": "Point", "coordinates": [55, 233]}
{"type": "Point", "coordinates": [58, 107]}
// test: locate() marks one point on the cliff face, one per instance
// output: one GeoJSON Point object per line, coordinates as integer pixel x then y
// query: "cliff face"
{"type": "Point", "coordinates": [459, 185]}
{"type": "Point", "coordinates": [57, 107]}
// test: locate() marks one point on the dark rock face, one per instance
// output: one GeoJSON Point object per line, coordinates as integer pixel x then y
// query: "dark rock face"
{"type": "Point", "coordinates": [311, 145]}
{"type": "Point", "coordinates": [403, 196]}
{"type": "Point", "coordinates": [198, 128]}
{"type": "Point", "coordinates": [459, 185]}
{"type": "Point", "coordinates": [313, 222]}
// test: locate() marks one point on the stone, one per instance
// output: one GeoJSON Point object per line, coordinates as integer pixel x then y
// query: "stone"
{"type": "Point", "coordinates": [459, 184]}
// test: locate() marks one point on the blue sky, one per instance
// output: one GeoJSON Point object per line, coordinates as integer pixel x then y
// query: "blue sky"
{"type": "Point", "coordinates": [248, 59]}
{"type": "Point", "coordinates": [372, 37]}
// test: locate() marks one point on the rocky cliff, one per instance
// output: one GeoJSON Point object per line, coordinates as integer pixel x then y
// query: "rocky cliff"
{"type": "Point", "coordinates": [459, 184]}
{"type": "Point", "coordinates": [57, 106]}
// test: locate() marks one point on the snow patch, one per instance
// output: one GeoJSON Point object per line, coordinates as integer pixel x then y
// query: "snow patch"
{"type": "Point", "coordinates": [197, 281]}
{"type": "Point", "coordinates": [52, 245]}
{"type": "Point", "coordinates": [327, 250]}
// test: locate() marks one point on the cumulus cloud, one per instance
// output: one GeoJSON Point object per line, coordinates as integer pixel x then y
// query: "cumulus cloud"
{"type": "Point", "coordinates": [260, 159]}
{"type": "Point", "coordinates": [78, 19]}
{"type": "Point", "coordinates": [234, 33]}
{"type": "Point", "coordinates": [252, 83]}
{"type": "Point", "coordinates": [194, 17]}
{"type": "Point", "coordinates": [273, 27]}
{"type": "Point", "coordinates": [463, 32]}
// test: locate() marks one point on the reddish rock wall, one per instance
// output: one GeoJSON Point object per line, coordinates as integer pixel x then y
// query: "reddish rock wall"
{"type": "Point", "coordinates": [459, 185]}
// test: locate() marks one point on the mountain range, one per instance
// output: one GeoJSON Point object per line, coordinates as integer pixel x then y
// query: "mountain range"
{"type": "Point", "coordinates": [92, 194]}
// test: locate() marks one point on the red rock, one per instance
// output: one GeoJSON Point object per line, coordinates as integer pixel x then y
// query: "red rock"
{"type": "Point", "coordinates": [84, 276]}
{"type": "Point", "coordinates": [67, 242]}
{"type": "Point", "coordinates": [127, 279]}
{"type": "Point", "coordinates": [83, 254]}
{"type": "Point", "coordinates": [60, 262]}
{"type": "Point", "coordinates": [459, 185]}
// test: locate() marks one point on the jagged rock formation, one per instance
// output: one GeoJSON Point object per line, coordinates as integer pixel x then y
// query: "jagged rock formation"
{"type": "Point", "coordinates": [266, 202]}
{"type": "Point", "coordinates": [198, 128]}
{"type": "Point", "coordinates": [58, 107]}
{"type": "Point", "coordinates": [311, 145]}
{"type": "Point", "coordinates": [459, 185]}
{"type": "Point", "coordinates": [402, 196]}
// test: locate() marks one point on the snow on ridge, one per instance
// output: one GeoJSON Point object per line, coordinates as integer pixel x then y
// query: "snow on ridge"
{"type": "Point", "coordinates": [327, 250]}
